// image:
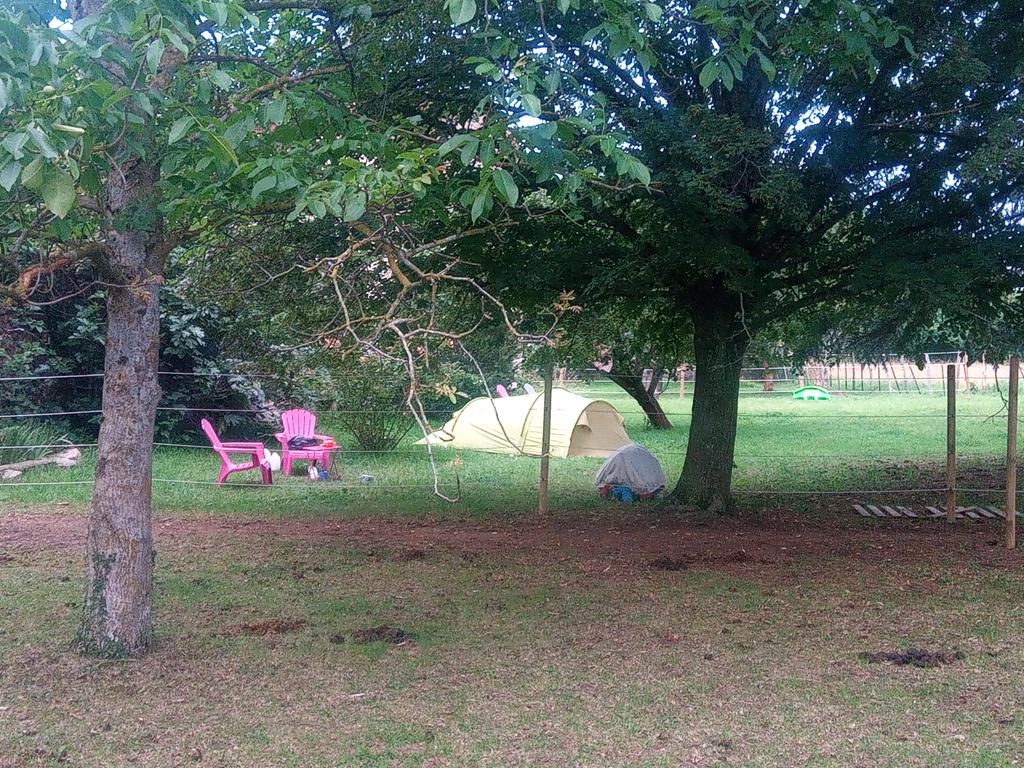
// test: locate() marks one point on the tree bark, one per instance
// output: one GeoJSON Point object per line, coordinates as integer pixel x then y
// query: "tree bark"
{"type": "Point", "coordinates": [634, 387]}
{"type": "Point", "coordinates": [719, 341]}
{"type": "Point", "coordinates": [117, 617]}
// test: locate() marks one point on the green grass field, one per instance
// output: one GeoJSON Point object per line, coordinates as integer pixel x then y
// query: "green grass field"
{"type": "Point", "coordinates": [554, 641]}
{"type": "Point", "coordinates": [853, 442]}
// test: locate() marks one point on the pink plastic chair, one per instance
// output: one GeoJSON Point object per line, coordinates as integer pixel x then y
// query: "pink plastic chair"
{"type": "Point", "coordinates": [502, 392]}
{"type": "Point", "coordinates": [227, 466]}
{"type": "Point", "coordinates": [301, 423]}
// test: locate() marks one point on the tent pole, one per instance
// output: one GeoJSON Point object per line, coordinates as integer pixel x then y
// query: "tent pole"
{"type": "Point", "coordinates": [545, 441]}
{"type": "Point", "coordinates": [951, 442]}
{"type": "Point", "coordinates": [1011, 455]}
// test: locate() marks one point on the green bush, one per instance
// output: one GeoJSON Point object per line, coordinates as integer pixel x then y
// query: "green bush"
{"type": "Point", "coordinates": [370, 396]}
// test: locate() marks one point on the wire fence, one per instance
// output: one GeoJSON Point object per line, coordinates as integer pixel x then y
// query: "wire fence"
{"type": "Point", "coordinates": [847, 447]}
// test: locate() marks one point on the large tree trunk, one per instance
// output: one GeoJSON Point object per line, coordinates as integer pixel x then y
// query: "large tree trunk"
{"type": "Point", "coordinates": [719, 341]}
{"type": "Point", "coordinates": [118, 618]}
{"type": "Point", "coordinates": [633, 386]}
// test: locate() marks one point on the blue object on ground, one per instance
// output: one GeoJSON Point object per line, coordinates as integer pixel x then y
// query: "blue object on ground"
{"type": "Point", "coordinates": [623, 493]}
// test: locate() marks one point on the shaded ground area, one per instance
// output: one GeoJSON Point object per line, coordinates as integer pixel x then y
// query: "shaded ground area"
{"type": "Point", "coordinates": [614, 544]}
{"type": "Point", "coordinates": [626, 639]}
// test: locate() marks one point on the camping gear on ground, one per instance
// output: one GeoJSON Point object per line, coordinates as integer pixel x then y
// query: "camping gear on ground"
{"type": "Point", "coordinates": [621, 493]}
{"type": "Point", "coordinates": [273, 459]}
{"type": "Point", "coordinates": [300, 427]}
{"type": "Point", "coordinates": [224, 450]}
{"type": "Point", "coordinates": [366, 479]}
{"type": "Point", "coordinates": [811, 392]}
{"type": "Point", "coordinates": [631, 472]}
{"type": "Point", "coordinates": [579, 426]}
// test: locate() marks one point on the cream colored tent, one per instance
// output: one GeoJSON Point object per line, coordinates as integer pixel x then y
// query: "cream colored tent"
{"type": "Point", "coordinates": [579, 426]}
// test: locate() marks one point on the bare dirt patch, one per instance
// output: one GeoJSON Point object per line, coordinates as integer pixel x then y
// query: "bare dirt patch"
{"type": "Point", "coordinates": [610, 545]}
{"type": "Point", "coordinates": [266, 628]}
{"type": "Point", "coordinates": [913, 657]}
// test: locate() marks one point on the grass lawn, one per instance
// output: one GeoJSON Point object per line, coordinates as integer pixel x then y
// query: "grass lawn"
{"type": "Point", "coordinates": [541, 643]}
{"type": "Point", "coordinates": [853, 442]}
{"type": "Point", "coordinates": [597, 636]}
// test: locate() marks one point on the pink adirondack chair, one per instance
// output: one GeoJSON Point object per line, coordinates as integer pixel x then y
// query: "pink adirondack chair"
{"type": "Point", "coordinates": [224, 450]}
{"type": "Point", "coordinates": [502, 391]}
{"type": "Point", "coordinates": [299, 422]}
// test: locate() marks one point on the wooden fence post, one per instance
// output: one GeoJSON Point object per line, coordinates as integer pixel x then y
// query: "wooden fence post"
{"type": "Point", "coordinates": [545, 441]}
{"type": "Point", "coordinates": [1011, 455]}
{"type": "Point", "coordinates": [951, 442]}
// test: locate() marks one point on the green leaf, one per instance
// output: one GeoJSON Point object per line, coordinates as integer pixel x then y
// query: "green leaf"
{"type": "Point", "coordinates": [144, 103]}
{"type": "Point", "coordinates": [355, 206]}
{"type": "Point", "coordinates": [546, 130]}
{"type": "Point", "coordinates": [318, 208]}
{"type": "Point", "coordinates": [653, 10]}
{"type": "Point", "coordinates": [89, 180]}
{"type": "Point", "coordinates": [58, 191]}
{"type": "Point", "coordinates": [154, 55]}
{"type": "Point", "coordinates": [14, 143]}
{"type": "Point", "coordinates": [9, 175]}
{"type": "Point", "coordinates": [179, 128]}
{"type": "Point", "coordinates": [276, 110]}
{"type": "Point", "coordinates": [469, 149]}
{"type": "Point", "coordinates": [264, 185]}
{"type": "Point", "coordinates": [727, 77]}
{"type": "Point", "coordinates": [176, 41]}
{"type": "Point", "coordinates": [552, 80]}
{"type": "Point", "coordinates": [221, 79]}
{"type": "Point", "coordinates": [32, 175]}
{"type": "Point", "coordinates": [506, 186]}
{"type": "Point", "coordinates": [222, 149]}
{"type": "Point", "coordinates": [462, 11]}
{"type": "Point", "coordinates": [563, 6]}
{"type": "Point", "coordinates": [39, 137]}
{"type": "Point", "coordinates": [455, 142]}
{"type": "Point", "coordinates": [767, 66]}
{"type": "Point", "coordinates": [640, 172]}
{"type": "Point", "coordinates": [531, 104]}
{"type": "Point", "coordinates": [708, 74]}
{"type": "Point", "coordinates": [478, 205]}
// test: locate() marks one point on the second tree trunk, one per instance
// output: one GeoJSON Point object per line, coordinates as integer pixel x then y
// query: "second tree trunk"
{"type": "Point", "coordinates": [719, 341]}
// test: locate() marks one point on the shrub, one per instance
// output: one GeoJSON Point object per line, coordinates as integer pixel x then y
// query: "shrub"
{"type": "Point", "coordinates": [370, 398]}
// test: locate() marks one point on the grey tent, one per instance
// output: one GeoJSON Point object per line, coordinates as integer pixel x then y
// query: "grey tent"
{"type": "Point", "coordinates": [634, 467]}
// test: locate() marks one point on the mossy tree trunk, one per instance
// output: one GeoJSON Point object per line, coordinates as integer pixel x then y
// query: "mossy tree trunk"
{"type": "Point", "coordinates": [118, 616]}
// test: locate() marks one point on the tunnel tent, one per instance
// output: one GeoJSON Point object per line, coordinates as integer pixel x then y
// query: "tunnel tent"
{"type": "Point", "coordinates": [579, 426]}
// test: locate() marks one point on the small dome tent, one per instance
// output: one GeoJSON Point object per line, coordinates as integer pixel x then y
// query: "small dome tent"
{"type": "Point", "coordinates": [579, 426]}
